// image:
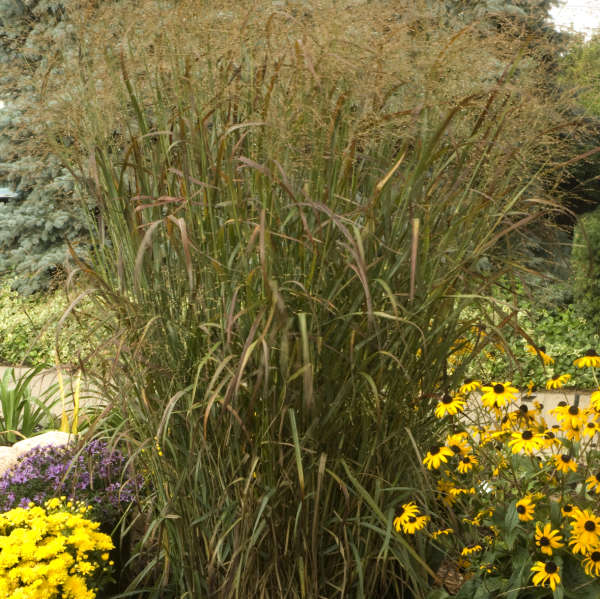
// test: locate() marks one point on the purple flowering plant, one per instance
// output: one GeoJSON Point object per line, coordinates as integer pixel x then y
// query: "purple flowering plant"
{"type": "Point", "coordinates": [94, 474]}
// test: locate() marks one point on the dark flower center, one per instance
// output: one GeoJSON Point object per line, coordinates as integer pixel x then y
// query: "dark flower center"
{"type": "Point", "coordinates": [435, 449]}
{"type": "Point", "coordinates": [598, 476]}
{"type": "Point", "coordinates": [595, 556]}
{"type": "Point", "coordinates": [498, 388]}
{"type": "Point", "coordinates": [549, 435]}
{"type": "Point", "coordinates": [526, 435]}
{"type": "Point", "coordinates": [455, 448]}
{"type": "Point", "coordinates": [568, 508]}
{"type": "Point", "coordinates": [412, 519]}
{"type": "Point", "coordinates": [521, 509]}
{"type": "Point", "coordinates": [573, 410]}
{"type": "Point", "coordinates": [466, 460]}
{"type": "Point", "coordinates": [566, 458]}
{"type": "Point", "coordinates": [523, 409]}
{"type": "Point", "coordinates": [447, 399]}
{"type": "Point", "coordinates": [550, 567]}
{"type": "Point", "coordinates": [468, 381]}
{"type": "Point", "coordinates": [590, 525]}
{"type": "Point", "coordinates": [591, 425]}
{"type": "Point", "coordinates": [556, 377]}
{"type": "Point", "coordinates": [544, 542]}
{"type": "Point", "coordinates": [543, 348]}
{"type": "Point", "coordinates": [562, 404]}
{"type": "Point", "coordinates": [591, 352]}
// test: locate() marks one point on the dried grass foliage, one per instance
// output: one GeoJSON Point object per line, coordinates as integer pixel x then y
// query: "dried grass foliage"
{"type": "Point", "coordinates": [295, 58]}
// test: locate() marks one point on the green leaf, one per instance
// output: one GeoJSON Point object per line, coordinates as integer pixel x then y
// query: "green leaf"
{"type": "Point", "coordinates": [511, 522]}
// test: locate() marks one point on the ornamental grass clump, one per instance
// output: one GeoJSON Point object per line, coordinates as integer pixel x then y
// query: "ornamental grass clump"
{"type": "Point", "coordinates": [94, 474]}
{"type": "Point", "coordinates": [523, 492]}
{"type": "Point", "coordinates": [52, 551]}
{"type": "Point", "coordinates": [288, 231]}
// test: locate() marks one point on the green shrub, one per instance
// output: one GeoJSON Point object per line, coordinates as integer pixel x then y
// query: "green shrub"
{"type": "Point", "coordinates": [28, 326]}
{"type": "Point", "coordinates": [586, 267]}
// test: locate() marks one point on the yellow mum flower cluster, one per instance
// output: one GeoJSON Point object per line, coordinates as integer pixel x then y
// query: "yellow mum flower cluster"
{"type": "Point", "coordinates": [51, 551]}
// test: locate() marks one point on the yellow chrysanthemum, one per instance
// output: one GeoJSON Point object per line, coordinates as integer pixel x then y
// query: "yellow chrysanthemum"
{"type": "Point", "coordinates": [546, 573]}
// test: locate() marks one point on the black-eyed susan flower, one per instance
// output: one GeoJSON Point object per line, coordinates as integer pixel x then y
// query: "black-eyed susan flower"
{"type": "Point", "coordinates": [547, 539]}
{"type": "Point", "coordinates": [469, 386]}
{"type": "Point", "coordinates": [525, 441]}
{"type": "Point", "coordinates": [591, 564]}
{"type": "Point", "coordinates": [449, 405]}
{"type": "Point", "coordinates": [595, 400]}
{"type": "Point", "coordinates": [541, 351]}
{"type": "Point", "coordinates": [571, 416]}
{"type": "Point", "coordinates": [590, 429]}
{"type": "Point", "coordinates": [568, 510]}
{"type": "Point", "coordinates": [457, 443]}
{"type": "Point", "coordinates": [405, 511]}
{"type": "Point", "coordinates": [497, 395]}
{"type": "Point", "coordinates": [593, 482]}
{"type": "Point", "coordinates": [443, 488]}
{"type": "Point", "coordinates": [585, 531]}
{"type": "Point", "coordinates": [414, 523]}
{"type": "Point", "coordinates": [436, 455]}
{"type": "Point", "coordinates": [550, 439]}
{"type": "Point", "coordinates": [590, 360]}
{"type": "Point", "coordinates": [561, 406]}
{"type": "Point", "coordinates": [441, 532]}
{"type": "Point", "coordinates": [525, 509]}
{"type": "Point", "coordinates": [565, 462]}
{"type": "Point", "coordinates": [572, 433]}
{"type": "Point", "coordinates": [546, 573]}
{"type": "Point", "coordinates": [557, 381]}
{"type": "Point", "coordinates": [524, 415]}
{"type": "Point", "coordinates": [469, 549]}
{"type": "Point", "coordinates": [463, 565]}
{"type": "Point", "coordinates": [466, 463]}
